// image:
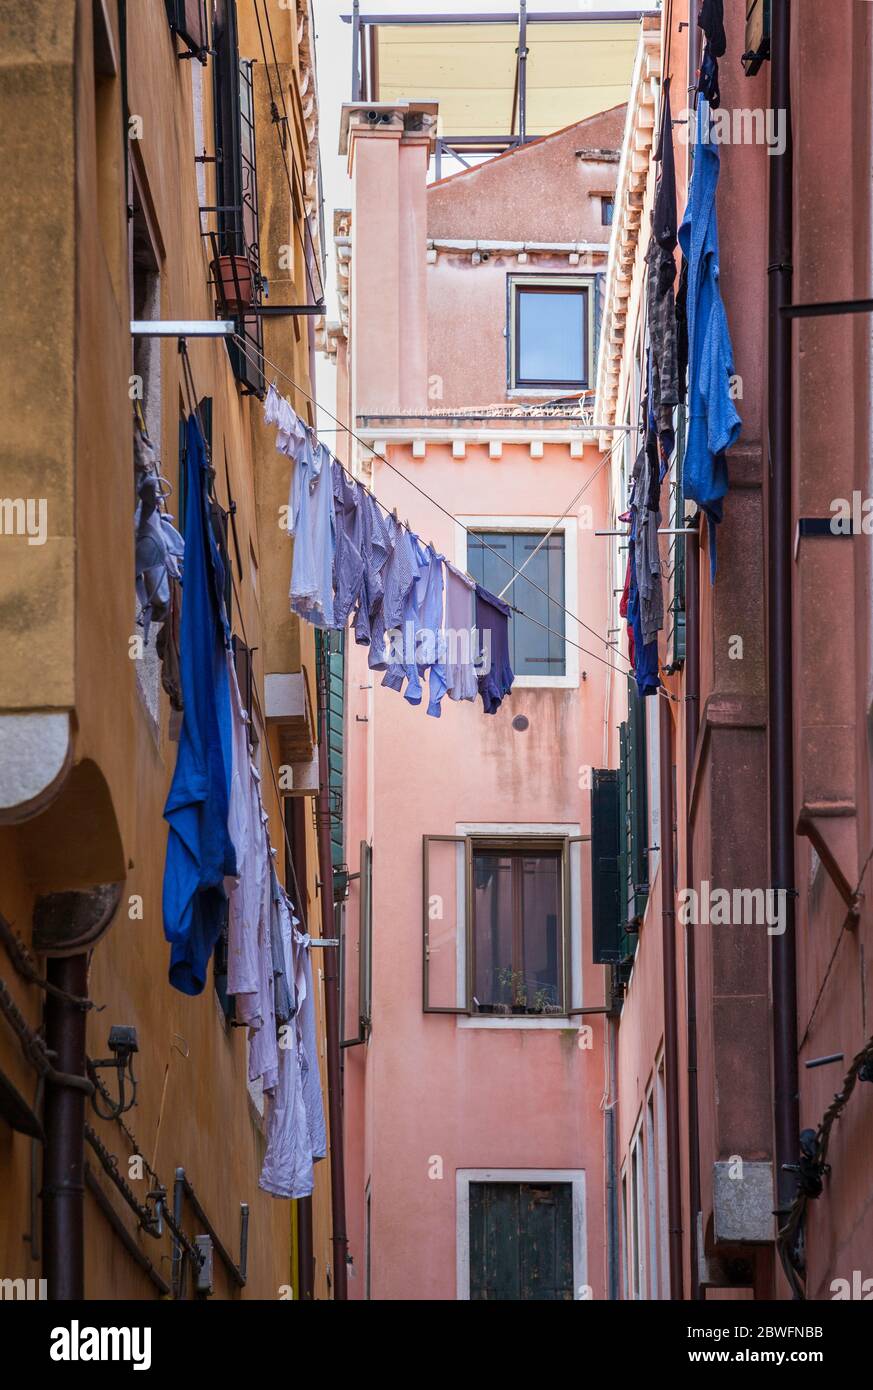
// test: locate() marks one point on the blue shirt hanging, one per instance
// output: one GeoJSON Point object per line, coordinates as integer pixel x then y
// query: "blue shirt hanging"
{"type": "Point", "coordinates": [713, 422]}
{"type": "Point", "coordinates": [200, 853]}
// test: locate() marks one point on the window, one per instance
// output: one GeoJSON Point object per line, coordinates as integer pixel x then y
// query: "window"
{"type": "Point", "coordinates": [517, 946]}
{"type": "Point", "coordinates": [550, 332]}
{"type": "Point", "coordinates": [237, 187]}
{"type": "Point", "coordinates": [607, 211]}
{"type": "Point", "coordinates": [356, 955]}
{"type": "Point", "coordinates": [188, 20]}
{"type": "Point", "coordinates": [636, 1222]}
{"type": "Point", "coordinates": [493, 557]}
{"type": "Point", "coordinates": [621, 837]}
{"type": "Point", "coordinates": [497, 924]}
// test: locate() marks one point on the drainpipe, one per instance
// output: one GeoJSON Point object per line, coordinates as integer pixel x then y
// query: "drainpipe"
{"type": "Point", "coordinates": [692, 717]}
{"type": "Point", "coordinates": [671, 1031]}
{"type": "Point", "coordinates": [339, 1238]}
{"type": "Point", "coordinates": [63, 1191]}
{"type": "Point", "coordinates": [692, 724]}
{"type": "Point", "coordinates": [783, 958]}
{"type": "Point", "coordinates": [296, 872]}
{"type": "Point", "coordinates": [612, 1218]}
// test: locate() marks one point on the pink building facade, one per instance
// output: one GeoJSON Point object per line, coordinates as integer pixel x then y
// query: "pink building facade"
{"type": "Point", "coordinates": [478, 1105]}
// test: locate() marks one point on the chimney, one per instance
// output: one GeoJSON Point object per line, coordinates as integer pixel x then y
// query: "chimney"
{"type": "Point", "coordinates": [388, 147]}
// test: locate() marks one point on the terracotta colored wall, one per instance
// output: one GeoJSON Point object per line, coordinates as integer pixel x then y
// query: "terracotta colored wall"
{"type": "Point", "coordinates": [426, 1086]}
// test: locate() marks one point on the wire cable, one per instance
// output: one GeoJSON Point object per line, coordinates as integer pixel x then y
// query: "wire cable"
{"type": "Point", "coordinates": [436, 504]}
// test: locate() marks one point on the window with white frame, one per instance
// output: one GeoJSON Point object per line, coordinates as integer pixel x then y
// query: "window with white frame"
{"type": "Point", "coordinates": [536, 632]}
{"type": "Point", "coordinates": [531, 562]}
{"type": "Point", "coordinates": [551, 332]}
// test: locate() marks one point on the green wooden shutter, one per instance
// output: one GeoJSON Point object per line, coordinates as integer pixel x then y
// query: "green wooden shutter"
{"type": "Point", "coordinates": [638, 816]}
{"type": "Point", "coordinates": [606, 904]}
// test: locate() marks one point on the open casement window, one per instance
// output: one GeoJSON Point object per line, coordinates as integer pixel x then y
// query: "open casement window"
{"type": "Point", "coordinates": [188, 20]}
{"type": "Point", "coordinates": [237, 185]}
{"type": "Point", "coordinates": [446, 958]}
{"type": "Point", "coordinates": [637, 807]}
{"type": "Point", "coordinates": [502, 928]}
{"type": "Point", "coordinates": [574, 863]}
{"type": "Point", "coordinates": [356, 969]}
{"type": "Point", "coordinates": [607, 827]}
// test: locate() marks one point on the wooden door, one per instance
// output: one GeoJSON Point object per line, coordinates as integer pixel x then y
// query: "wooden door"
{"type": "Point", "coordinates": [521, 1241]}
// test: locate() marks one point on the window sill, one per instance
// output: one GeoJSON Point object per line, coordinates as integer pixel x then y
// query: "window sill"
{"type": "Point", "coordinates": [568, 682]}
{"type": "Point", "coordinates": [498, 1023]}
{"type": "Point", "coordinates": [545, 393]}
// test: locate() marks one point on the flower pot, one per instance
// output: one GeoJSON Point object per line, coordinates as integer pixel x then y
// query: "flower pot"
{"type": "Point", "coordinates": [235, 283]}
{"type": "Point", "coordinates": [519, 1008]}
{"type": "Point", "coordinates": [485, 1008]}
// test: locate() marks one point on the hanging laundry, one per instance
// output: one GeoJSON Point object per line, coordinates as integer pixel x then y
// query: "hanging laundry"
{"type": "Point", "coordinates": [313, 528]}
{"type": "Point", "coordinates": [623, 610]}
{"type": "Point", "coordinates": [158, 553]}
{"type": "Point", "coordinates": [246, 826]}
{"type": "Point", "coordinates": [492, 618]}
{"type": "Point", "coordinates": [311, 519]}
{"type": "Point", "coordinates": [287, 1170]}
{"type": "Point", "coordinates": [401, 571]}
{"type": "Point", "coordinates": [348, 563]}
{"type": "Point", "coordinates": [283, 973]}
{"type": "Point", "coordinates": [645, 653]}
{"type": "Point", "coordinates": [376, 547]}
{"type": "Point", "coordinates": [433, 645]}
{"type": "Point", "coordinates": [167, 648]}
{"type": "Point", "coordinates": [312, 1098]}
{"type": "Point", "coordinates": [422, 639]}
{"type": "Point", "coordinates": [200, 853]}
{"type": "Point", "coordinates": [711, 21]}
{"type": "Point", "coordinates": [682, 328]}
{"type": "Point", "coordinates": [403, 636]}
{"type": "Point", "coordinates": [460, 625]}
{"type": "Point", "coordinates": [713, 422]}
{"type": "Point", "coordinates": [664, 223]}
{"type": "Point", "coordinates": [660, 297]}
{"type": "Point", "coordinates": [258, 1009]}
{"type": "Point", "coordinates": [645, 503]}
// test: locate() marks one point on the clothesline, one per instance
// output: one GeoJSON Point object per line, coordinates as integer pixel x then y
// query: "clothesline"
{"type": "Point", "coordinates": [389, 511]}
{"type": "Point", "coordinates": [219, 872]}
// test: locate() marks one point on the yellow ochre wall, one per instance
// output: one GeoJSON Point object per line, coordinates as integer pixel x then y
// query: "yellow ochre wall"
{"type": "Point", "coordinates": [67, 608]}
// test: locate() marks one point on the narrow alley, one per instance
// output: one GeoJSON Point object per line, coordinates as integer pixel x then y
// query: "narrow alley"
{"type": "Point", "coordinates": [436, 714]}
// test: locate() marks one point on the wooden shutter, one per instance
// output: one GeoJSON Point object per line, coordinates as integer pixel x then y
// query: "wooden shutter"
{"type": "Point", "coordinates": [188, 20]}
{"type": "Point", "coordinates": [446, 954]}
{"type": "Point", "coordinates": [638, 817]}
{"type": "Point", "coordinates": [606, 908]}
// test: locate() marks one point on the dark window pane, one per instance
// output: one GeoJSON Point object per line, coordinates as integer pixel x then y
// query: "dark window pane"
{"type": "Point", "coordinates": [541, 905]}
{"type": "Point", "coordinates": [492, 916]}
{"type": "Point", "coordinates": [550, 327]}
{"type": "Point", "coordinates": [536, 634]}
{"type": "Point", "coordinates": [517, 933]}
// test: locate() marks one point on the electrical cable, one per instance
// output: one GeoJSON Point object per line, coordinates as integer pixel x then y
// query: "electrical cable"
{"type": "Point", "coordinates": [445, 511]}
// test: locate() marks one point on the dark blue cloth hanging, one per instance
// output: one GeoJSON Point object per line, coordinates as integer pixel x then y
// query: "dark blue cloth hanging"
{"type": "Point", "coordinates": [200, 853]}
{"type": "Point", "coordinates": [713, 422]}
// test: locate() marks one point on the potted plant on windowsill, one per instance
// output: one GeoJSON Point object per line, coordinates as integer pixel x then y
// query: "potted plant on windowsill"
{"type": "Point", "coordinates": [235, 283]}
{"type": "Point", "coordinates": [544, 1004]}
{"type": "Point", "coordinates": [512, 983]}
